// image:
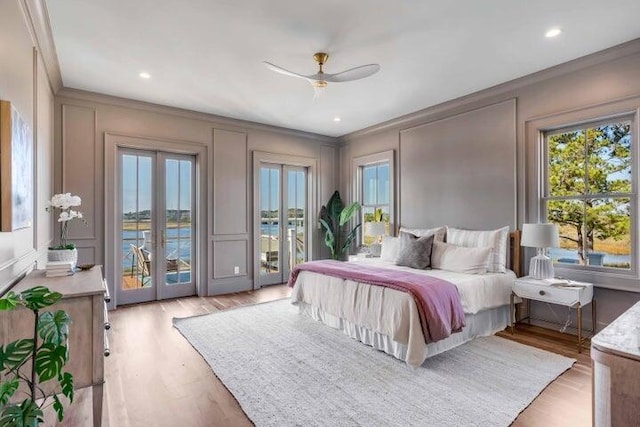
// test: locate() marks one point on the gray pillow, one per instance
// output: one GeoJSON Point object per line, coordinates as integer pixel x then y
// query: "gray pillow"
{"type": "Point", "coordinates": [415, 252]}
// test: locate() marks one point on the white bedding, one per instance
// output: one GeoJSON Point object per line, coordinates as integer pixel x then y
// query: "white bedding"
{"type": "Point", "coordinates": [477, 291]}
{"type": "Point", "coordinates": [391, 316]}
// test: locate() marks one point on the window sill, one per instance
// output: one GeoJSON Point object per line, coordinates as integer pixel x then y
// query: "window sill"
{"type": "Point", "coordinates": [621, 281]}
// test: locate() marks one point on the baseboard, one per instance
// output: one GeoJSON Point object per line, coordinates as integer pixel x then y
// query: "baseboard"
{"type": "Point", "coordinates": [228, 286]}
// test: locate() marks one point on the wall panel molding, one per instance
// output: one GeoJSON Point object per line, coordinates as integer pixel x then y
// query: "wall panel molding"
{"type": "Point", "coordinates": [79, 129]}
{"type": "Point", "coordinates": [230, 166]}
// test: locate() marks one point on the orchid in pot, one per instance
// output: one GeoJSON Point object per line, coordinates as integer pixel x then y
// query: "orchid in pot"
{"type": "Point", "coordinates": [64, 202]}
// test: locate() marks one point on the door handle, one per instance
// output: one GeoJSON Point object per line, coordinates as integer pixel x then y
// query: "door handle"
{"type": "Point", "coordinates": [164, 237]}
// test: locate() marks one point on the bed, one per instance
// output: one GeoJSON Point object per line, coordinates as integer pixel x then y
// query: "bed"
{"type": "Point", "coordinates": [387, 319]}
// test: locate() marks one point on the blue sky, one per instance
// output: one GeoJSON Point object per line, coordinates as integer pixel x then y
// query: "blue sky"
{"type": "Point", "coordinates": [177, 179]}
{"type": "Point", "coordinates": [270, 188]}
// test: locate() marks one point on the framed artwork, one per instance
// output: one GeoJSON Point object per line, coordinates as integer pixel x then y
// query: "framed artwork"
{"type": "Point", "coordinates": [16, 170]}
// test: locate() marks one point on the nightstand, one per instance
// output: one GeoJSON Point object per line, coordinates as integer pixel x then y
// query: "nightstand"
{"type": "Point", "coordinates": [555, 291]}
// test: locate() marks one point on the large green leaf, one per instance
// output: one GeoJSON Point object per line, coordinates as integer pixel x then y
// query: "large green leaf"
{"type": "Point", "coordinates": [39, 297]}
{"type": "Point", "coordinates": [25, 414]}
{"type": "Point", "coordinates": [50, 360]}
{"type": "Point", "coordinates": [348, 212]}
{"type": "Point", "coordinates": [329, 238]}
{"type": "Point", "coordinates": [54, 327]}
{"type": "Point", "coordinates": [9, 301]}
{"type": "Point", "coordinates": [57, 405]}
{"type": "Point", "coordinates": [8, 389]}
{"type": "Point", "coordinates": [349, 239]}
{"type": "Point", "coordinates": [324, 216]}
{"type": "Point", "coordinates": [335, 206]}
{"type": "Point", "coordinates": [66, 382]}
{"type": "Point", "coordinates": [15, 353]}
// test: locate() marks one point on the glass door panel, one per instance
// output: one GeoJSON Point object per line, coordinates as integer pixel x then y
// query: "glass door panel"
{"type": "Point", "coordinates": [283, 221]}
{"type": "Point", "coordinates": [296, 203]}
{"type": "Point", "coordinates": [136, 249]}
{"type": "Point", "coordinates": [270, 212]}
{"type": "Point", "coordinates": [178, 226]}
{"type": "Point", "coordinates": [157, 226]}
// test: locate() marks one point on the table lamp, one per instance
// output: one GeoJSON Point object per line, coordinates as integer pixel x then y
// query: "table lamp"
{"type": "Point", "coordinates": [541, 237]}
{"type": "Point", "coordinates": [375, 229]}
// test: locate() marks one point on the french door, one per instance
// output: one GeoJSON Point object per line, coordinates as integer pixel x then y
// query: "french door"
{"type": "Point", "coordinates": [156, 225]}
{"type": "Point", "coordinates": [283, 237]}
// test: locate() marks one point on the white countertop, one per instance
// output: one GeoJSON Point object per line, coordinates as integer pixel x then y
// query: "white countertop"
{"type": "Point", "coordinates": [622, 336]}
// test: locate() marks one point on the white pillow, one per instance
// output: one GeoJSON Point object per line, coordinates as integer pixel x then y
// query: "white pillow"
{"type": "Point", "coordinates": [390, 248]}
{"type": "Point", "coordinates": [445, 256]}
{"type": "Point", "coordinates": [438, 232]}
{"type": "Point", "coordinates": [497, 240]}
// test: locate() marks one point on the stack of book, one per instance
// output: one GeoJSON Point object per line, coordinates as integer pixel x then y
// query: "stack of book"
{"type": "Point", "coordinates": [59, 268]}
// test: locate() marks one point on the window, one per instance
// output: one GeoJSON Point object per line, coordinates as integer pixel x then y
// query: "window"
{"type": "Point", "coordinates": [589, 193]}
{"type": "Point", "coordinates": [375, 200]}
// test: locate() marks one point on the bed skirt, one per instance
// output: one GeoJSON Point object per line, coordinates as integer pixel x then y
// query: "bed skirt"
{"type": "Point", "coordinates": [481, 324]}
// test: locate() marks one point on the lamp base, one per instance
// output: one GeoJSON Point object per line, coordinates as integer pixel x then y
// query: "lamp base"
{"type": "Point", "coordinates": [375, 249]}
{"type": "Point", "coordinates": [541, 267]}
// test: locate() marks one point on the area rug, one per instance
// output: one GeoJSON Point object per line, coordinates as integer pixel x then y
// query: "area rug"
{"type": "Point", "coordinates": [288, 370]}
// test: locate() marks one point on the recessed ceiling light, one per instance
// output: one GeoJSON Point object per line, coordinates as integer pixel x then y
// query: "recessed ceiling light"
{"type": "Point", "coordinates": [144, 75]}
{"type": "Point", "coordinates": [554, 32]}
{"type": "Point", "coordinates": [336, 119]}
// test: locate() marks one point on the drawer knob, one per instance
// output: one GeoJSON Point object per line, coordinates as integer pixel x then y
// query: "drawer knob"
{"type": "Point", "coordinates": [542, 292]}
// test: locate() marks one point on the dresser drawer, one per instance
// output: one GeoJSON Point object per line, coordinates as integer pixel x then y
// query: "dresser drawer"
{"type": "Point", "coordinates": [553, 294]}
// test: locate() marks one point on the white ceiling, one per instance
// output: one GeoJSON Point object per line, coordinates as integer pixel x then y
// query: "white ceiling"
{"type": "Point", "coordinates": [206, 55]}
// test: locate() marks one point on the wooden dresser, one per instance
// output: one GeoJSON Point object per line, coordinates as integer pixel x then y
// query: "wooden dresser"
{"type": "Point", "coordinates": [84, 297]}
{"type": "Point", "coordinates": [616, 372]}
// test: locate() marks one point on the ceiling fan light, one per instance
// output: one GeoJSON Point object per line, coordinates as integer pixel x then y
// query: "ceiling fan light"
{"type": "Point", "coordinates": [319, 88]}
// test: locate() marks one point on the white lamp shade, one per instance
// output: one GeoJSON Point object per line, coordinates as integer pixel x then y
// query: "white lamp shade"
{"type": "Point", "coordinates": [374, 229]}
{"type": "Point", "coordinates": [540, 235]}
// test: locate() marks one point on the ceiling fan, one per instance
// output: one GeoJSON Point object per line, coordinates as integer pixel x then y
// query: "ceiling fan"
{"type": "Point", "coordinates": [321, 79]}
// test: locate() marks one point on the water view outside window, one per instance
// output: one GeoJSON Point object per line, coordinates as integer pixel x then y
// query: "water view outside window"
{"type": "Point", "coordinates": [589, 194]}
{"type": "Point", "coordinates": [375, 195]}
{"type": "Point", "coordinates": [178, 227]}
{"type": "Point", "coordinates": [137, 233]}
{"type": "Point", "coordinates": [279, 206]}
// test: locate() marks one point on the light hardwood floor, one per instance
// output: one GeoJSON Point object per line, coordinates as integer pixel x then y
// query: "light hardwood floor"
{"type": "Point", "coordinates": [155, 378]}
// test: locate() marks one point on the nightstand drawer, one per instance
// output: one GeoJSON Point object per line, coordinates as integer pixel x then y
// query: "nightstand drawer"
{"type": "Point", "coordinates": [553, 294]}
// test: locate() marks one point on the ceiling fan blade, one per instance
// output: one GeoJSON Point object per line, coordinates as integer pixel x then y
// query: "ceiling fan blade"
{"type": "Point", "coordinates": [353, 74]}
{"type": "Point", "coordinates": [281, 70]}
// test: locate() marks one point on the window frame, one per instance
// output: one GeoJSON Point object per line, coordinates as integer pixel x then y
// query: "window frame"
{"type": "Point", "coordinates": [358, 165]}
{"type": "Point", "coordinates": [546, 196]}
{"type": "Point", "coordinates": [531, 183]}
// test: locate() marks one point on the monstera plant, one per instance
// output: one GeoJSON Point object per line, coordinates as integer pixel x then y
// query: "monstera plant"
{"type": "Point", "coordinates": [333, 218]}
{"type": "Point", "coordinates": [35, 360]}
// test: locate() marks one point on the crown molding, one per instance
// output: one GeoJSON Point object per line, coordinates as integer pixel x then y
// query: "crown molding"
{"type": "Point", "coordinates": [37, 16]}
{"type": "Point", "coordinates": [498, 92]}
{"type": "Point", "coordinates": [221, 122]}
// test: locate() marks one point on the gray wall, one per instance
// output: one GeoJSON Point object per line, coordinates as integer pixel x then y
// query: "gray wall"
{"type": "Point", "coordinates": [600, 84]}
{"type": "Point", "coordinates": [33, 98]}
{"type": "Point", "coordinates": [447, 167]}
{"type": "Point", "coordinates": [81, 121]}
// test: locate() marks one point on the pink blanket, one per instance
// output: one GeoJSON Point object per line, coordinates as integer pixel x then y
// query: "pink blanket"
{"type": "Point", "coordinates": [438, 301]}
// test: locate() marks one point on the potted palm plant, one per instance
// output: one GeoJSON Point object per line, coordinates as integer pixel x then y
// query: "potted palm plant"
{"type": "Point", "coordinates": [27, 363]}
{"type": "Point", "coordinates": [333, 218]}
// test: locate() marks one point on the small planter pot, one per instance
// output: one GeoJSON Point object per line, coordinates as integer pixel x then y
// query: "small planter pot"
{"type": "Point", "coordinates": [68, 255]}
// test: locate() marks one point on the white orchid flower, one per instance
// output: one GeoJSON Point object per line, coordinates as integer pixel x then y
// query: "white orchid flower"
{"type": "Point", "coordinates": [64, 202]}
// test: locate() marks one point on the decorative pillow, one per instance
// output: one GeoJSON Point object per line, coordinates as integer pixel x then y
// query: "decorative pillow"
{"type": "Point", "coordinates": [438, 232]}
{"type": "Point", "coordinates": [445, 256]}
{"type": "Point", "coordinates": [415, 252]}
{"type": "Point", "coordinates": [390, 248]}
{"type": "Point", "coordinates": [497, 240]}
